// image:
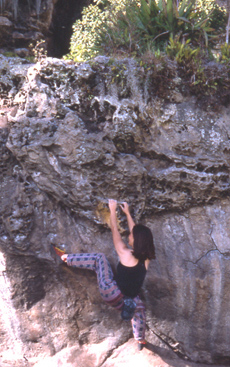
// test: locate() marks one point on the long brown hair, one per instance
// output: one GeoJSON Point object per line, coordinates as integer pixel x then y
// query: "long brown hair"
{"type": "Point", "coordinates": [143, 246]}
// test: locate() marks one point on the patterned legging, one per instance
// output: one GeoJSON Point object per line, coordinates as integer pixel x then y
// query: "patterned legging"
{"type": "Point", "coordinates": [108, 288]}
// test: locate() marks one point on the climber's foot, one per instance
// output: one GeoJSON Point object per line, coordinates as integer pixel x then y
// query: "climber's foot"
{"type": "Point", "coordinates": [141, 344]}
{"type": "Point", "coordinates": [57, 252]}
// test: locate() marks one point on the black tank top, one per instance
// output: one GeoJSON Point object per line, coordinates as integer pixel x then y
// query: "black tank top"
{"type": "Point", "coordinates": [130, 279]}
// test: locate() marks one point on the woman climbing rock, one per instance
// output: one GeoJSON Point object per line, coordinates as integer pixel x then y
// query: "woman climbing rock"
{"type": "Point", "coordinates": [122, 290]}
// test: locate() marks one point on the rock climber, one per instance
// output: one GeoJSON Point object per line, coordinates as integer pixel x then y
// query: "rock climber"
{"type": "Point", "coordinates": [122, 290]}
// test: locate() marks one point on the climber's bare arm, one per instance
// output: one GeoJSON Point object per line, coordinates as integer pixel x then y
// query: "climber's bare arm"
{"type": "Point", "coordinates": [125, 208]}
{"type": "Point", "coordinates": [119, 245]}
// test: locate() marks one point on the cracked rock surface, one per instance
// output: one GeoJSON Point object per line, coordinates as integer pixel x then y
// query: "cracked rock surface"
{"type": "Point", "coordinates": [73, 136]}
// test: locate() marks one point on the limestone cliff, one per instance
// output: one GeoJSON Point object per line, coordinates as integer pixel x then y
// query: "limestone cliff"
{"type": "Point", "coordinates": [23, 24]}
{"type": "Point", "coordinates": [77, 135]}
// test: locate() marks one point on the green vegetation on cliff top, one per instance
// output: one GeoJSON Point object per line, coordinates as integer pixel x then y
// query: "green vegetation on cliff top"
{"type": "Point", "coordinates": [168, 38]}
{"type": "Point", "coordinates": [134, 27]}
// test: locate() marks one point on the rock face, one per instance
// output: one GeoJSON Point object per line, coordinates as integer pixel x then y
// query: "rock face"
{"type": "Point", "coordinates": [78, 135]}
{"type": "Point", "coordinates": [23, 24]}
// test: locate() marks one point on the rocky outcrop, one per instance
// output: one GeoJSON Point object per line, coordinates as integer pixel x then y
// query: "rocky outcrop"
{"type": "Point", "coordinates": [80, 134]}
{"type": "Point", "coordinates": [177, 152]}
{"type": "Point", "coordinates": [24, 24]}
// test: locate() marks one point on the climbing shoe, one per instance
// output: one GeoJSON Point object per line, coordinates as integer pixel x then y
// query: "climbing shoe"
{"type": "Point", "coordinates": [141, 344]}
{"type": "Point", "coordinates": [57, 252]}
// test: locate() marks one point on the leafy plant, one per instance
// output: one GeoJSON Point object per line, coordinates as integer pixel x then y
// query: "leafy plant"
{"type": "Point", "coordinates": [131, 27]}
{"type": "Point", "coordinates": [225, 53]}
{"type": "Point", "coordinates": [182, 52]}
{"type": "Point", "coordinates": [38, 51]}
{"type": "Point", "coordinates": [90, 33]}
{"type": "Point", "coordinates": [81, 45]}
{"type": "Point", "coordinates": [186, 19]}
